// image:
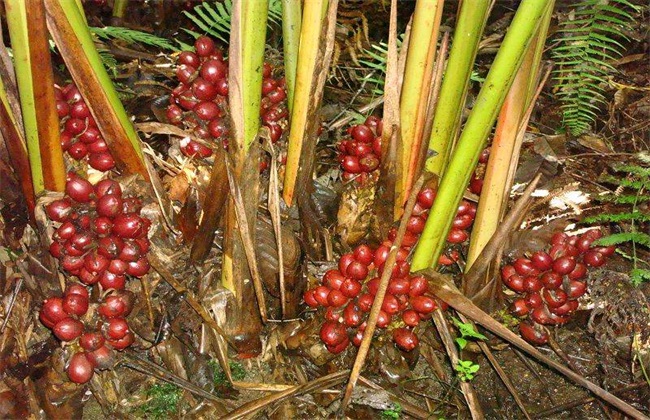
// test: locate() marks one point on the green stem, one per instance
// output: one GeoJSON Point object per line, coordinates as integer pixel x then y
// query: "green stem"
{"type": "Point", "coordinates": [478, 127]}
{"type": "Point", "coordinates": [471, 21]}
{"type": "Point", "coordinates": [291, 21]}
{"type": "Point", "coordinates": [255, 14]}
{"type": "Point", "coordinates": [119, 8]}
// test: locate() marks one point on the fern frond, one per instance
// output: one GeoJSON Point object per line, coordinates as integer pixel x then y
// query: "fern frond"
{"type": "Point", "coordinates": [639, 238]}
{"type": "Point", "coordinates": [214, 19]}
{"type": "Point", "coordinates": [639, 275]}
{"type": "Point", "coordinates": [132, 36]}
{"type": "Point", "coordinates": [639, 171]}
{"type": "Point", "coordinates": [620, 217]}
{"type": "Point", "coordinates": [587, 45]}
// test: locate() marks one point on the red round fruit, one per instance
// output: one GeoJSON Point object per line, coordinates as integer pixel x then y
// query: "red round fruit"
{"type": "Point", "coordinates": [350, 288]}
{"type": "Point", "coordinates": [554, 298]}
{"type": "Point", "coordinates": [381, 253]}
{"type": "Point", "coordinates": [568, 308]}
{"type": "Point", "coordinates": [532, 284]}
{"type": "Point", "coordinates": [128, 225]}
{"type": "Point", "coordinates": [390, 305]}
{"type": "Point", "coordinates": [524, 267]}
{"type": "Point", "coordinates": [332, 314]}
{"type": "Point", "coordinates": [369, 163]}
{"type": "Point", "coordinates": [541, 261]}
{"type": "Point", "coordinates": [383, 320]}
{"type": "Point", "coordinates": [515, 283]}
{"type": "Point", "coordinates": [79, 370]}
{"type": "Point", "coordinates": [416, 224]}
{"type": "Point", "coordinates": [333, 279]}
{"type": "Point", "coordinates": [203, 90]}
{"type": "Point", "coordinates": [357, 338]}
{"type": "Point", "coordinates": [207, 111]}
{"type": "Point", "coordinates": [62, 108]}
{"type": "Point", "coordinates": [107, 186]}
{"type": "Point", "coordinates": [579, 272]}
{"type": "Point", "coordinates": [405, 339]}
{"type": "Point", "coordinates": [91, 341]}
{"type": "Point", "coordinates": [52, 311]}
{"type": "Point", "coordinates": [594, 258]}
{"type": "Point", "coordinates": [533, 300]}
{"type": "Point", "coordinates": [79, 189]}
{"type": "Point", "coordinates": [576, 289]}
{"type": "Point", "coordinates": [373, 286]}
{"type": "Point", "coordinates": [90, 136]}
{"type": "Point", "coordinates": [425, 197]}
{"type": "Point", "coordinates": [558, 251]}
{"type": "Point", "coordinates": [399, 286]}
{"type": "Point", "coordinates": [138, 268]}
{"type": "Point", "coordinates": [462, 222]}
{"type": "Point", "coordinates": [58, 210]}
{"type": "Point", "coordinates": [363, 254]}
{"type": "Point", "coordinates": [541, 315]}
{"type": "Point", "coordinates": [423, 304]}
{"type": "Point", "coordinates": [356, 270]}
{"type": "Point", "coordinates": [411, 318]}
{"type": "Point", "coordinates": [519, 307]}
{"type": "Point", "coordinates": [110, 205]}
{"type": "Point", "coordinates": [204, 46]}
{"type": "Point", "coordinates": [76, 289]}
{"type": "Point", "coordinates": [365, 302]}
{"type": "Point", "coordinates": [507, 271]}
{"type": "Point", "coordinates": [117, 328]}
{"type": "Point", "coordinates": [309, 298]}
{"type": "Point", "coordinates": [75, 126]}
{"type": "Point", "coordinates": [532, 334]}
{"type": "Point", "coordinates": [559, 238]}
{"type": "Point", "coordinates": [189, 58]}
{"type": "Point", "coordinates": [332, 333]}
{"type": "Point", "coordinates": [75, 304]}
{"type": "Point", "coordinates": [551, 280]}
{"type": "Point", "coordinates": [584, 243]}
{"type": "Point", "coordinates": [267, 86]}
{"type": "Point", "coordinates": [113, 306]}
{"type": "Point", "coordinates": [277, 95]}
{"type": "Point", "coordinates": [102, 358]}
{"type": "Point", "coordinates": [123, 342]}
{"type": "Point", "coordinates": [336, 298]}
{"type": "Point", "coordinates": [418, 286]}
{"type": "Point", "coordinates": [457, 236]}
{"type": "Point", "coordinates": [222, 86]}
{"type": "Point", "coordinates": [607, 251]}
{"type": "Point", "coordinates": [82, 241]}
{"type": "Point", "coordinates": [351, 315]}
{"type": "Point", "coordinates": [351, 164]}
{"type": "Point", "coordinates": [110, 280]}
{"type": "Point", "coordinates": [345, 261]}
{"type": "Point", "coordinates": [564, 265]}
{"type": "Point", "coordinates": [362, 133]}
{"type": "Point", "coordinates": [68, 329]}
{"type": "Point", "coordinates": [72, 263]}
{"type": "Point", "coordinates": [339, 347]}
{"type": "Point", "coordinates": [213, 70]}
{"type": "Point", "coordinates": [476, 185]}
{"type": "Point", "coordinates": [320, 295]}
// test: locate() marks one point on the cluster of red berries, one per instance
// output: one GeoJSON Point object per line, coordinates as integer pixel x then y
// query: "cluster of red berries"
{"type": "Point", "coordinates": [199, 103]}
{"type": "Point", "coordinates": [349, 291]}
{"type": "Point", "coordinates": [360, 153]}
{"type": "Point", "coordinates": [80, 137]}
{"type": "Point", "coordinates": [550, 283]}
{"type": "Point", "coordinates": [101, 239]}
{"type": "Point", "coordinates": [93, 339]}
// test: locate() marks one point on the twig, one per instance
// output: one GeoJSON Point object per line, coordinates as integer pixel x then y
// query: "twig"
{"type": "Point", "coordinates": [379, 297]}
{"type": "Point", "coordinates": [14, 295]}
{"type": "Point", "coordinates": [407, 407]}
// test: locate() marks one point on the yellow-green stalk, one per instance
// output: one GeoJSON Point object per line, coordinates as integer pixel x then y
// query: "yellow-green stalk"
{"type": "Point", "coordinates": [291, 24]}
{"type": "Point", "coordinates": [505, 146]}
{"type": "Point", "coordinates": [477, 128]}
{"type": "Point", "coordinates": [415, 90]}
{"type": "Point", "coordinates": [28, 32]}
{"type": "Point", "coordinates": [467, 35]}
{"type": "Point", "coordinates": [313, 13]}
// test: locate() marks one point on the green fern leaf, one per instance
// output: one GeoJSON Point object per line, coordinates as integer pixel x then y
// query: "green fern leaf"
{"type": "Point", "coordinates": [639, 275]}
{"type": "Point", "coordinates": [132, 36]}
{"type": "Point", "coordinates": [639, 238]}
{"type": "Point", "coordinates": [619, 217]}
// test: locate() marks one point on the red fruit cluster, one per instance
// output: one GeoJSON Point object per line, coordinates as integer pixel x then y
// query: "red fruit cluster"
{"type": "Point", "coordinates": [199, 103]}
{"type": "Point", "coordinates": [349, 292]}
{"type": "Point", "coordinates": [550, 283]}
{"type": "Point", "coordinates": [80, 137]}
{"type": "Point", "coordinates": [101, 237]}
{"type": "Point", "coordinates": [93, 339]}
{"type": "Point", "coordinates": [476, 183]}
{"type": "Point", "coordinates": [360, 153]}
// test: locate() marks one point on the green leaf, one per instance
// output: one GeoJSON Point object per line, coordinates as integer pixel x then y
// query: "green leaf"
{"type": "Point", "coordinates": [639, 275]}
{"type": "Point", "coordinates": [623, 237]}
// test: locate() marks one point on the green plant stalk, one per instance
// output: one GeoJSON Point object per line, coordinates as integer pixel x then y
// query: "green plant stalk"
{"type": "Point", "coordinates": [449, 108]}
{"type": "Point", "coordinates": [291, 22]}
{"type": "Point", "coordinates": [36, 90]}
{"type": "Point", "coordinates": [478, 127]}
{"type": "Point", "coordinates": [417, 77]}
{"type": "Point", "coordinates": [255, 14]}
{"type": "Point", "coordinates": [76, 19]}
